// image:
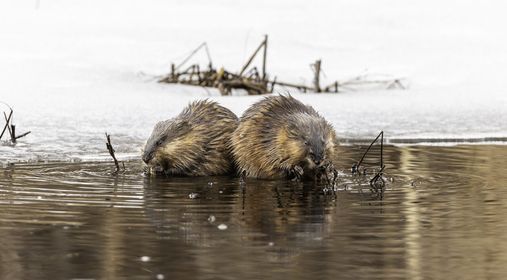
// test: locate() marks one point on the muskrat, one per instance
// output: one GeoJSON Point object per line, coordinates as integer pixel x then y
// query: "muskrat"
{"type": "Point", "coordinates": [194, 143]}
{"type": "Point", "coordinates": [280, 137]}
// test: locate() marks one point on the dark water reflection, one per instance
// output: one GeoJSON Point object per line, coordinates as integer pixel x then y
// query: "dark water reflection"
{"type": "Point", "coordinates": [444, 215]}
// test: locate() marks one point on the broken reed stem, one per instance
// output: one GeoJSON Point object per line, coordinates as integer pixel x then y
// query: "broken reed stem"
{"type": "Point", "coordinates": [7, 121]}
{"type": "Point", "coordinates": [13, 133]}
{"type": "Point", "coordinates": [382, 150]}
{"type": "Point", "coordinates": [257, 82]}
{"type": "Point", "coordinates": [111, 152]}
{"type": "Point", "coordinates": [381, 134]}
{"type": "Point", "coordinates": [377, 184]}
{"type": "Point", "coordinates": [23, 135]}
{"type": "Point", "coordinates": [11, 128]}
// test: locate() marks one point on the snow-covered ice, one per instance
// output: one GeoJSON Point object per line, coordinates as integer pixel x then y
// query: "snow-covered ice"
{"type": "Point", "coordinates": [73, 70]}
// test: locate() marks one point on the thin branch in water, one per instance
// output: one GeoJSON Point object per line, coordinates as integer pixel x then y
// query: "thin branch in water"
{"type": "Point", "coordinates": [111, 152]}
{"type": "Point", "coordinates": [355, 167]}
{"type": "Point", "coordinates": [377, 183]}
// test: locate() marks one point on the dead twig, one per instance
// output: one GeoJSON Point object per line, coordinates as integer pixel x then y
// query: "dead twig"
{"type": "Point", "coordinates": [11, 127]}
{"type": "Point", "coordinates": [8, 119]}
{"type": "Point", "coordinates": [256, 82]}
{"type": "Point", "coordinates": [23, 135]}
{"type": "Point", "coordinates": [377, 183]}
{"type": "Point", "coordinates": [355, 167]}
{"type": "Point", "coordinates": [111, 152]}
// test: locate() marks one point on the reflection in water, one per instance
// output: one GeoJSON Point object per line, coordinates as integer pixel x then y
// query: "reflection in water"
{"type": "Point", "coordinates": [442, 216]}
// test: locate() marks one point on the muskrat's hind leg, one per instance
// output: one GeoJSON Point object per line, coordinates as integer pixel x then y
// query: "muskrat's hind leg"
{"type": "Point", "coordinates": [296, 173]}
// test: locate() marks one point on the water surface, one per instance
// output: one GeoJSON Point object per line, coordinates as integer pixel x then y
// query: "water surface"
{"type": "Point", "coordinates": [442, 216]}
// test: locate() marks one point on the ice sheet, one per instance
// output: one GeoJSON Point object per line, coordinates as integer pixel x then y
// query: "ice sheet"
{"type": "Point", "coordinates": [73, 70]}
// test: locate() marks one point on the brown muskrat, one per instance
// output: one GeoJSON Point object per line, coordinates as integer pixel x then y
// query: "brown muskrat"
{"type": "Point", "coordinates": [280, 137]}
{"type": "Point", "coordinates": [194, 143]}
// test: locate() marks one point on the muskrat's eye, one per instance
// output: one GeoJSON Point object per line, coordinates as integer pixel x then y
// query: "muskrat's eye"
{"type": "Point", "coordinates": [306, 143]}
{"type": "Point", "coordinates": [161, 141]}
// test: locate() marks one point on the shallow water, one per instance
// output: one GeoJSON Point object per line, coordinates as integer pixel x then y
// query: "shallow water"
{"type": "Point", "coordinates": [442, 216]}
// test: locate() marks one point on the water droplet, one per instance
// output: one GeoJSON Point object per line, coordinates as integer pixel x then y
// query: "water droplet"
{"type": "Point", "coordinates": [210, 184]}
{"type": "Point", "coordinates": [193, 195]}
{"type": "Point", "coordinates": [211, 219]}
{"type": "Point", "coordinates": [222, 227]}
{"type": "Point", "coordinates": [271, 244]}
{"type": "Point", "coordinates": [145, 259]}
{"type": "Point", "coordinates": [160, 276]}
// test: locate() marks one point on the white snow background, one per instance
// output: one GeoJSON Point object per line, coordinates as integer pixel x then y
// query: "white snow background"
{"type": "Point", "coordinates": [73, 70]}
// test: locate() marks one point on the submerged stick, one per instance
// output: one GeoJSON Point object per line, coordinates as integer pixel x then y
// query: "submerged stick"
{"type": "Point", "coordinates": [111, 152]}
{"type": "Point", "coordinates": [377, 184]}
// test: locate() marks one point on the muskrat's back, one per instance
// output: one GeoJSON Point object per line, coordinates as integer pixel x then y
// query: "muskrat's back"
{"type": "Point", "coordinates": [194, 143]}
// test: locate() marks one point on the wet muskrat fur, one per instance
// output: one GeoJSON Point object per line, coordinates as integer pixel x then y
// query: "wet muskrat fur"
{"type": "Point", "coordinates": [280, 137]}
{"type": "Point", "coordinates": [194, 143]}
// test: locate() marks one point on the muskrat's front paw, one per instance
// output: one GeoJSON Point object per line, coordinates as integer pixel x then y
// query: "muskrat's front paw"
{"type": "Point", "coordinates": [296, 173]}
{"type": "Point", "coordinates": [331, 175]}
{"type": "Point", "coordinates": [154, 170]}
{"type": "Point", "coordinates": [327, 172]}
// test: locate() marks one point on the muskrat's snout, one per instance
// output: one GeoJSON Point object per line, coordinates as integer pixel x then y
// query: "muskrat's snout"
{"type": "Point", "coordinates": [316, 153]}
{"type": "Point", "coordinates": [316, 158]}
{"type": "Point", "coordinates": [148, 156]}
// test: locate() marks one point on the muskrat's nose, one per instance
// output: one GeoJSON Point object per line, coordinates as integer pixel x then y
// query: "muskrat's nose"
{"type": "Point", "coordinates": [147, 157]}
{"type": "Point", "coordinates": [317, 160]}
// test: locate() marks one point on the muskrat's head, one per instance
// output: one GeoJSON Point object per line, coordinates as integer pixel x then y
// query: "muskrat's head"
{"type": "Point", "coordinates": [311, 140]}
{"type": "Point", "coordinates": [161, 149]}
